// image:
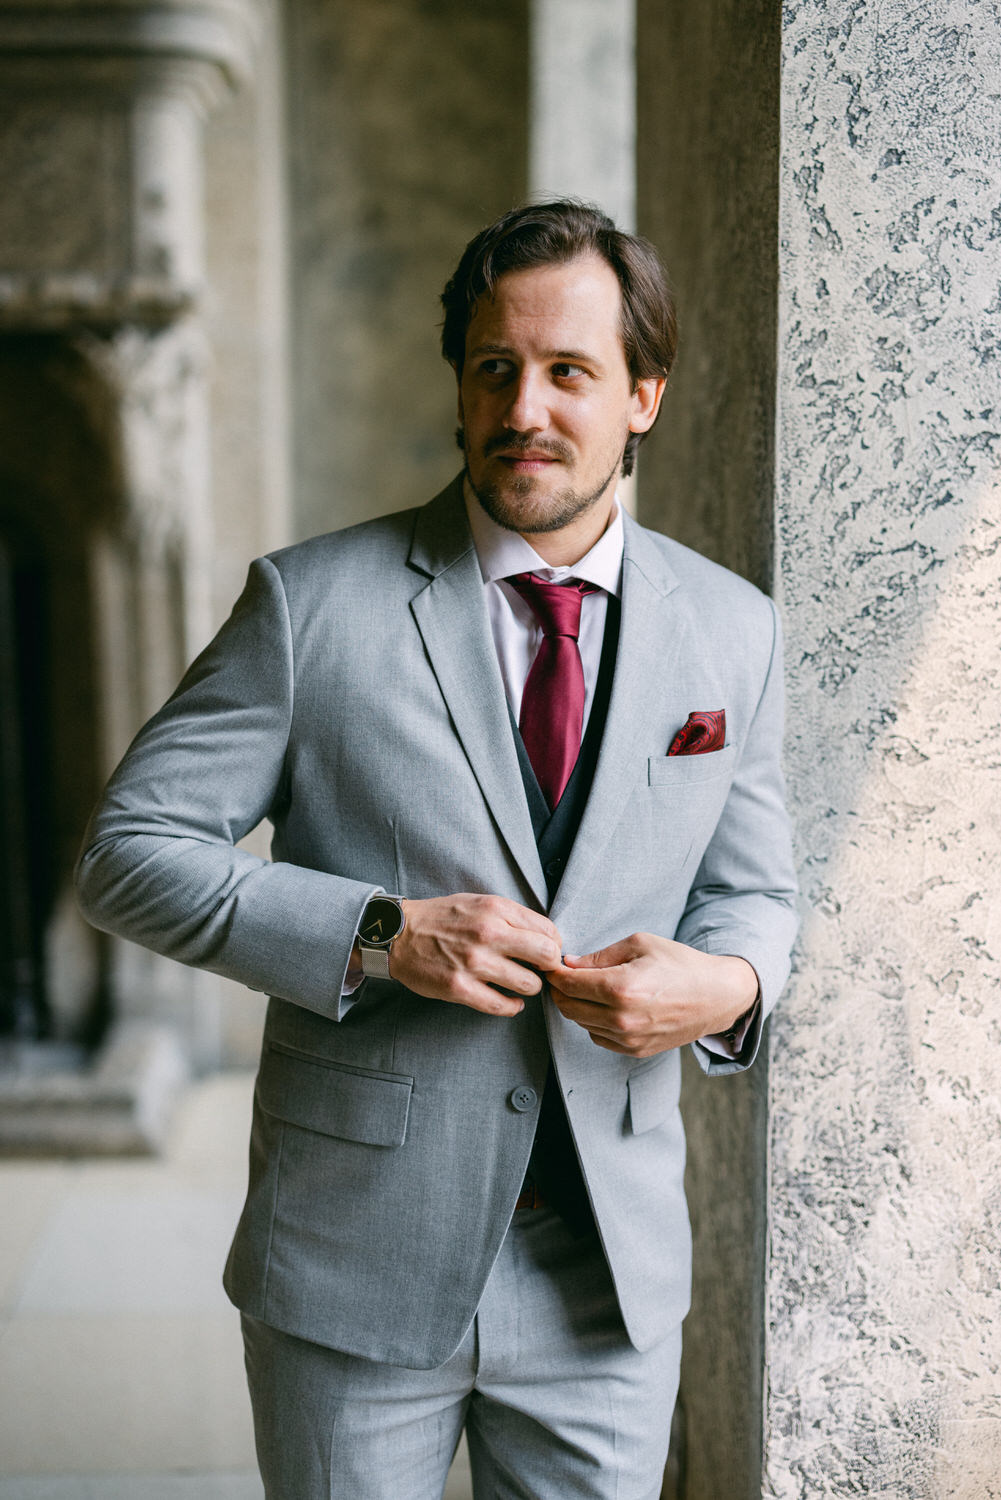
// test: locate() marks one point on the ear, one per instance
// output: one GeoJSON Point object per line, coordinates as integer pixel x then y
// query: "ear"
{"type": "Point", "coordinates": [646, 403]}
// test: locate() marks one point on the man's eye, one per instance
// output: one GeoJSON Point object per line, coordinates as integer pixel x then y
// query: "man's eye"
{"type": "Point", "coordinates": [565, 371]}
{"type": "Point", "coordinates": [495, 367]}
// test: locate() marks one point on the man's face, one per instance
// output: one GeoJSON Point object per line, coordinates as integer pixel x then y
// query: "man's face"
{"type": "Point", "coordinates": [545, 399]}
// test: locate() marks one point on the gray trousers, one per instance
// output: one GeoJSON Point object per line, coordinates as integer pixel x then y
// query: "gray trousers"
{"type": "Point", "coordinates": [554, 1399]}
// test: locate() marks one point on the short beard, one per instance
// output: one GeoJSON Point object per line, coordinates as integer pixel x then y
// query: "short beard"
{"type": "Point", "coordinates": [561, 509]}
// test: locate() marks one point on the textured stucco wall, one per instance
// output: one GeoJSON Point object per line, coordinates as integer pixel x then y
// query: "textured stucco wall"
{"type": "Point", "coordinates": [883, 1300]}
{"type": "Point", "coordinates": [408, 132]}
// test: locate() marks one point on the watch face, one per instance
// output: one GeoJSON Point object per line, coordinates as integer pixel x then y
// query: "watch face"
{"type": "Point", "coordinates": [381, 922]}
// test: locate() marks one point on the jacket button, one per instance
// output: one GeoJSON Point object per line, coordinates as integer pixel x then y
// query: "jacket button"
{"type": "Point", "coordinates": [522, 1098]}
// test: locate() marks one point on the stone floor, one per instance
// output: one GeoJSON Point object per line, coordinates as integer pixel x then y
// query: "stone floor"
{"type": "Point", "coordinates": [121, 1371]}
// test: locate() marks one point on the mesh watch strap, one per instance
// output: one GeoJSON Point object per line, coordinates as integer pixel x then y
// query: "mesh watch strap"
{"type": "Point", "coordinates": [374, 963]}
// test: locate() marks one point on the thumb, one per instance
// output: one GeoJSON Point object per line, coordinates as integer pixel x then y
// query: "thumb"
{"type": "Point", "coordinates": [603, 958]}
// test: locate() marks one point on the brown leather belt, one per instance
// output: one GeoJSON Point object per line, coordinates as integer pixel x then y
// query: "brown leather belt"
{"type": "Point", "coordinates": [530, 1198]}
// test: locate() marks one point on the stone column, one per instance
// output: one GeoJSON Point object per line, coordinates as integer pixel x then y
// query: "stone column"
{"type": "Point", "coordinates": [884, 1205]}
{"type": "Point", "coordinates": [850, 464]}
{"type": "Point", "coordinates": [583, 103]}
{"type": "Point", "coordinates": [102, 231]}
{"type": "Point", "coordinates": [582, 120]}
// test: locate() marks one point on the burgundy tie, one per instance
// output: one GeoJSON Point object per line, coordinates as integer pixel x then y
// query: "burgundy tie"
{"type": "Point", "coordinates": [552, 705]}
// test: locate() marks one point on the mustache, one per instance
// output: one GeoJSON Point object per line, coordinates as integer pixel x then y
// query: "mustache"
{"type": "Point", "coordinates": [509, 441]}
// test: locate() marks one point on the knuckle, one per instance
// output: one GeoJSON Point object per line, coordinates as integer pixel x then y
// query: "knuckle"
{"type": "Point", "coordinates": [461, 987]}
{"type": "Point", "coordinates": [490, 931]}
{"type": "Point", "coordinates": [478, 961]}
{"type": "Point", "coordinates": [483, 923]}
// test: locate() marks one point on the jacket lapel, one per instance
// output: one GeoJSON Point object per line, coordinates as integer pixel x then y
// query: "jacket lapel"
{"type": "Point", "coordinates": [451, 616]}
{"type": "Point", "coordinates": [645, 664]}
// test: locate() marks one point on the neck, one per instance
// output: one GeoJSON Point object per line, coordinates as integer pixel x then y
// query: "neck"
{"type": "Point", "coordinates": [563, 548]}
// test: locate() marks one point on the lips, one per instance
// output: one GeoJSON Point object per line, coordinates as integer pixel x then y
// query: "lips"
{"type": "Point", "coordinates": [510, 453]}
{"type": "Point", "coordinates": [527, 460]}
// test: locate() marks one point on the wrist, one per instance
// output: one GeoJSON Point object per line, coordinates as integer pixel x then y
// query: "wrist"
{"type": "Point", "coordinates": [742, 991]}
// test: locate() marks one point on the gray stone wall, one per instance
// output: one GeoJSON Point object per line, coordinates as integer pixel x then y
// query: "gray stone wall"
{"type": "Point", "coordinates": [883, 1300]}
{"type": "Point", "coordinates": [707, 168]}
{"type": "Point", "coordinates": [408, 131]}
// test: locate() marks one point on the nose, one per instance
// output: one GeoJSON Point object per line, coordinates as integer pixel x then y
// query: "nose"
{"type": "Point", "coordinates": [527, 410]}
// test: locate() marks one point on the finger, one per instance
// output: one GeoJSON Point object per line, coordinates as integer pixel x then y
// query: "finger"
{"type": "Point", "coordinates": [609, 1045]}
{"type": "Point", "coordinates": [523, 918]}
{"type": "Point", "coordinates": [536, 949]}
{"type": "Point", "coordinates": [591, 1017]}
{"type": "Point", "coordinates": [594, 1022]}
{"type": "Point", "coordinates": [620, 952]}
{"type": "Point", "coordinates": [602, 986]}
{"type": "Point", "coordinates": [497, 970]}
{"type": "Point", "coordinates": [477, 995]}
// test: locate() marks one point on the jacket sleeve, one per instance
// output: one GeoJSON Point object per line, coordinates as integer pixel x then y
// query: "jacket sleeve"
{"type": "Point", "coordinates": [160, 864]}
{"type": "Point", "coordinates": [743, 897]}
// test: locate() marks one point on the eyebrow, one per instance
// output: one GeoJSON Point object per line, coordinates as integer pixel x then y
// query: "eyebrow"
{"type": "Point", "coordinates": [569, 356]}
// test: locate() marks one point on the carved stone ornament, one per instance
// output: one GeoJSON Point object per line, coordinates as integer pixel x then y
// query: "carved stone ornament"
{"type": "Point", "coordinates": [101, 216]}
{"type": "Point", "coordinates": [144, 393]}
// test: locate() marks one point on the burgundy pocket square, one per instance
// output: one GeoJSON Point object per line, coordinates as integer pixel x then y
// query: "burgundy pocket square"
{"type": "Point", "coordinates": [700, 733]}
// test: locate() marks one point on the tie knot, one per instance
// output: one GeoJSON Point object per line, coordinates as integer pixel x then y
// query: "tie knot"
{"type": "Point", "coordinates": [556, 606]}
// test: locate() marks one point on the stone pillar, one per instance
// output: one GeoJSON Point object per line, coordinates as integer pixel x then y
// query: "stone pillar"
{"type": "Point", "coordinates": [583, 103]}
{"type": "Point", "coordinates": [849, 464]}
{"type": "Point", "coordinates": [102, 253]}
{"type": "Point", "coordinates": [883, 1294]}
{"type": "Point", "coordinates": [582, 124]}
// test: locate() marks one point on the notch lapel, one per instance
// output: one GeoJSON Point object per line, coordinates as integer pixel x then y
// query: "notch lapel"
{"type": "Point", "coordinates": [650, 640]}
{"type": "Point", "coordinates": [451, 616]}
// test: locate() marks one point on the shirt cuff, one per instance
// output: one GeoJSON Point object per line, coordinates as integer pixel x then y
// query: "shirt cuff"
{"type": "Point", "coordinates": [730, 1043]}
{"type": "Point", "coordinates": [352, 979]}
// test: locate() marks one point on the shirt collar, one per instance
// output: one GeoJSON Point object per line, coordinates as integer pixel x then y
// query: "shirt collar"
{"type": "Point", "coordinates": [502, 553]}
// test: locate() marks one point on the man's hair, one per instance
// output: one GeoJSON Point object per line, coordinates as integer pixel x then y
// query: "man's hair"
{"type": "Point", "coordinates": [545, 234]}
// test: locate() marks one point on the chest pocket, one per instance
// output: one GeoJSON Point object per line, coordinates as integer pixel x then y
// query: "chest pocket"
{"type": "Point", "coordinates": [690, 770]}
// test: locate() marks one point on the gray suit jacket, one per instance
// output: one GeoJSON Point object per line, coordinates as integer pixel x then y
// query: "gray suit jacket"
{"type": "Point", "coordinates": [354, 699]}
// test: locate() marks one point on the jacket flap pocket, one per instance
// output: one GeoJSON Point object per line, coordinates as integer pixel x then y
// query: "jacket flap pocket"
{"type": "Point", "coordinates": [335, 1100]}
{"type": "Point", "coordinates": [684, 770]}
{"type": "Point", "coordinates": [653, 1094]}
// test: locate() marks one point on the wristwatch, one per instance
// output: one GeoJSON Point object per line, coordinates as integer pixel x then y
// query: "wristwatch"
{"type": "Point", "coordinates": [381, 924]}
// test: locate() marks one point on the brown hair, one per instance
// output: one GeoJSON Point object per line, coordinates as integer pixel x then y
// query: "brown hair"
{"type": "Point", "coordinates": [541, 234]}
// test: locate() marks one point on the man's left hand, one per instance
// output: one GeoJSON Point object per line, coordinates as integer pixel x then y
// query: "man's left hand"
{"type": "Point", "coordinates": [647, 994]}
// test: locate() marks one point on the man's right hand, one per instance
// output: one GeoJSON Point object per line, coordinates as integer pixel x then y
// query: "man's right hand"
{"type": "Point", "coordinates": [457, 948]}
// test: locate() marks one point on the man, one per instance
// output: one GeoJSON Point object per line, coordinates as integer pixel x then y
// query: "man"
{"type": "Point", "coordinates": [522, 762]}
